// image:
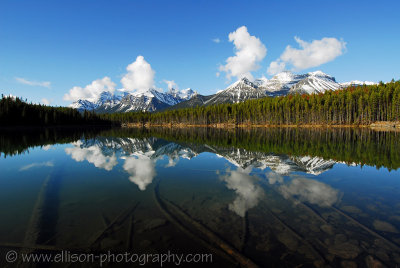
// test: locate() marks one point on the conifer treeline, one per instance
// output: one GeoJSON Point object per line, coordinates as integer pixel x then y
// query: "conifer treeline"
{"type": "Point", "coordinates": [15, 112]}
{"type": "Point", "coordinates": [360, 105]}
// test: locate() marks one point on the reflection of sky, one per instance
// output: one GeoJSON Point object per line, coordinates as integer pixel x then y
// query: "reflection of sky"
{"type": "Point", "coordinates": [248, 193]}
{"type": "Point", "coordinates": [92, 154]}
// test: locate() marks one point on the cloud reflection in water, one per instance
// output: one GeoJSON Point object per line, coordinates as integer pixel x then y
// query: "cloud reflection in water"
{"type": "Point", "coordinates": [141, 168]}
{"type": "Point", "coordinates": [305, 190]}
{"type": "Point", "coordinates": [92, 154]}
{"type": "Point", "coordinates": [247, 191]}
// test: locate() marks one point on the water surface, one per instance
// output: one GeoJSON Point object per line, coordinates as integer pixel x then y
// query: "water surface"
{"type": "Point", "coordinates": [277, 197]}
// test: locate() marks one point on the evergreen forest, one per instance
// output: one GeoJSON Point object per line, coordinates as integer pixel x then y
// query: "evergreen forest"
{"type": "Point", "coordinates": [361, 105]}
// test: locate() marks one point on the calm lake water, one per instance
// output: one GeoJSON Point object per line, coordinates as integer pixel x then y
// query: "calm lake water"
{"type": "Point", "coordinates": [260, 197]}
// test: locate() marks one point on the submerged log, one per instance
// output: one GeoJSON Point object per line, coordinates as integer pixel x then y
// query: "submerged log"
{"type": "Point", "coordinates": [299, 237]}
{"type": "Point", "coordinates": [366, 228]}
{"type": "Point", "coordinates": [117, 221]}
{"type": "Point", "coordinates": [33, 229]}
{"type": "Point", "coordinates": [173, 219]}
{"type": "Point", "coordinates": [129, 241]}
{"type": "Point", "coordinates": [245, 231]}
{"type": "Point", "coordinates": [210, 235]}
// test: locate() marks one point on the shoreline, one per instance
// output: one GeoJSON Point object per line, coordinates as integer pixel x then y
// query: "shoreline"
{"type": "Point", "coordinates": [392, 126]}
{"type": "Point", "coordinates": [28, 127]}
{"type": "Point", "coordinates": [378, 126]}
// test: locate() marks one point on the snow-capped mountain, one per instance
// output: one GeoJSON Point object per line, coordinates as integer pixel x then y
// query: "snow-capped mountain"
{"type": "Point", "coordinates": [107, 101]}
{"type": "Point", "coordinates": [150, 100]}
{"type": "Point", "coordinates": [357, 83]}
{"type": "Point", "coordinates": [239, 91]}
{"type": "Point", "coordinates": [315, 82]}
{"type": "Point", "coordinates": [281, 83]}
{"type": "Point", "coordinates": [153, 100]}
{"type": "Point", "coordinates": [82, 105]}
{"type": "Point", "coordinates": [184, 94]}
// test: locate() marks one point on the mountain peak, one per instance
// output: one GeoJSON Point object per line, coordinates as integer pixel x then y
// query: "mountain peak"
{"type": "Point", "coordinates": [318, 73]}
{"type": "Point", "coordinates": [242, 81]}
{"type": "Point", "coordinates": [261, 81]}
{"type": "Point", "coordinates": [239, 91]}
{"type": "Point", "coordinates": [184, 94]}
{"type": "Point", "coordinates": [315, 82]}
{"type": "Point", "coordinates": [285, 75]}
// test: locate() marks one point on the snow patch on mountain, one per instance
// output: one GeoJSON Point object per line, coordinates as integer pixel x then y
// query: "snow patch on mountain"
{"type": "Point", "coordinates": [281, 83]}
{"type": "Point", "coordinates": [82, 105]}
{"type": "Point", "coordinates": [315, 82]}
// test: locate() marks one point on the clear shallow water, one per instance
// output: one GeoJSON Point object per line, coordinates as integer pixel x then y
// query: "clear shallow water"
{"type": "Point", "coordinates": [273, 196]}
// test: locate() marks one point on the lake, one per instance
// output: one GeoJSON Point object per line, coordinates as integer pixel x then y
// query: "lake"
{"type": "Point", "coordinates": [250, 197]}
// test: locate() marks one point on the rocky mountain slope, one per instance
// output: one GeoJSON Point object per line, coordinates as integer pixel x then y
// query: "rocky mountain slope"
{"type": "Point", "coordinates": [237, 92]}
{"type": "Point", "coordinates": [315, 82]}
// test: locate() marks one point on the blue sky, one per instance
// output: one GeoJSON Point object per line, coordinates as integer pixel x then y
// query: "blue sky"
{"type": "Point", "coordinates": [72, 43]}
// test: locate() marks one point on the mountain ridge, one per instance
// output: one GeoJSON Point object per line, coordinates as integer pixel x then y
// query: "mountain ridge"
{"type": "Point", "coordinates": [152, 100]}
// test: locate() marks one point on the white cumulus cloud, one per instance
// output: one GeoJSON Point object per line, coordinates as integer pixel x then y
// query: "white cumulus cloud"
{"type": "Point", "coordinates": [33, 83]}
{"type": "Point", "coordinates": [249, 52]}
{"type": "Point", "coordinates": [309, 54]}
{"type": "Point", "coordinates": [92, 91]}
{"type": "Point", "coordinates": [216, 40]}
{"type": "Point", "coordinates": [276, 67]}
{"type": "Point", "coordinates": [171, 84]}
{"type": "Point", "coordinates": [140, 76]}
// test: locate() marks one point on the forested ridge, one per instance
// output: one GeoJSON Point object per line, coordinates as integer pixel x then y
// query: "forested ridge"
{"type": "Point", "coordinates": [361, 105]}
{"type": "Point", "coordinates": [15, 112]}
